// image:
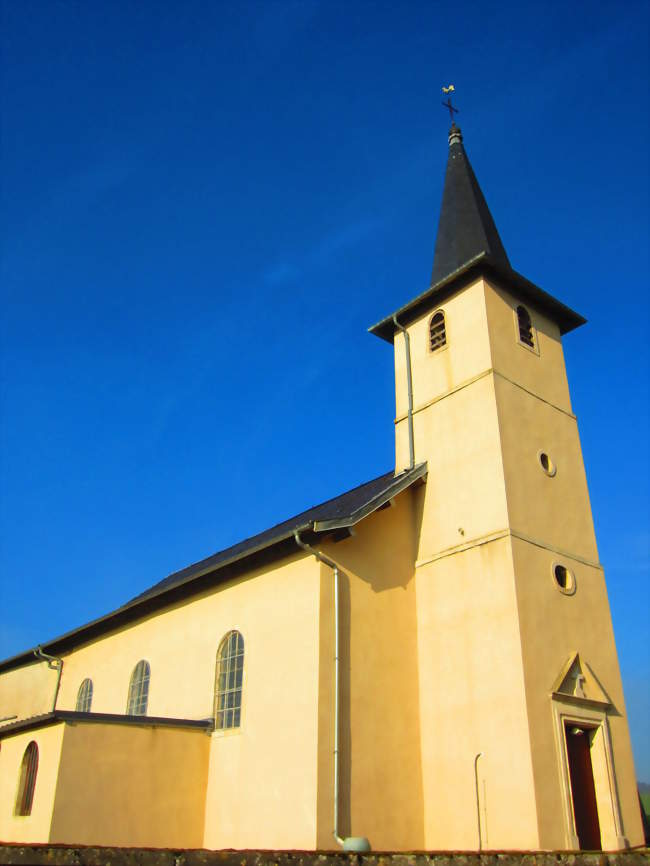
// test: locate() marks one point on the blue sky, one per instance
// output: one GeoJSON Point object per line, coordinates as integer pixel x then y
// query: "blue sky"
{"type": "Point", "coordinates": [205, 205]}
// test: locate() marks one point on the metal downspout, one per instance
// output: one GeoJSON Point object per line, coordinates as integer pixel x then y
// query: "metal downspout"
{"type": "Point", "coordinates": [478, 800]}
{"type": "Point", "coordinates": [352, 843]}
{"type": "Point", "coordinates": [53, 663]}
{"type": "Point", "coordinates": [409, 385]}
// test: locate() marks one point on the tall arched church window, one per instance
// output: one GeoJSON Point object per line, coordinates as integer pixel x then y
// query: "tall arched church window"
{"type": "Point", "coordinates": [139, 690]}
{"type": "Point", "coordinates": [525, 327]}
{"type": "Point", "coordinates": [437, 331]}
{"type": "Point", "coordinates": [85, 696]}
{"type": "Point", "coordinates": [27, 781]}
{"type": "Point", "coordinates": [230, 674]}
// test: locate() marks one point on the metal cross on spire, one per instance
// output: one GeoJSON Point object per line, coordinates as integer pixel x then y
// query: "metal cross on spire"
{"type": "Point", "coordinates": [452, 109]}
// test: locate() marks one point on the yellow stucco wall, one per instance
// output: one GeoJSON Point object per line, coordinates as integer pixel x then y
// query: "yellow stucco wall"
{"type": "Point", "coordinates": [34, 827]}
{"type": "Point", "coordinates": [519, 363]}
{"type": "Point", "coordinates": [27, 691]}
{"type": "Point", "coordinates": [471, 682]}
{"type": "Point", "coordinates": [484, 407]}
{"type": "Point", "coordinates": [554, 510]}
{"type": "Point", "coordinates": [128, 785]}
{"type": "Point", "coordinates": [268, 766]}
{"type": "Point", "coordinates": [455, 423]}
{"type": "Point", "coordinates": [553, 626]}
{"type": "Point", "coordinates": [466, 353]}
{"type": "Point", "coordinates": [452, 634]}
{"type": "Point", "coordinates": [276, 610]}
{"type": "Point", "coordinates": [472, 701]}
{"type": "Point", "coordinates": [180, 643]}
{"type": "Point", "coordinates": [465, 494]}
{"type": "Point", "coordinates": [262, 778]}
{"type": "Point", "coordinates": [381, 781]}
{"type": "Point", "coordinates": [551, 520]}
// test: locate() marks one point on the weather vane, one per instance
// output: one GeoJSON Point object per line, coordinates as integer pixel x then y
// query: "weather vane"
{"type": "Point", "coordinates": [447, 104]}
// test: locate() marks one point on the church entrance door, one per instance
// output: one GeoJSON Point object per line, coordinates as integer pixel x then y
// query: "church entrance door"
{"type": "Point", "coordinates": [583, 791]}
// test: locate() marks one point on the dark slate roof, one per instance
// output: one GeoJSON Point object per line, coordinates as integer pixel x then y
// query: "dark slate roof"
{"type": "Point", "coordinates": [46, 719]}
{"type": "Point", "coordinates": [342, 511]}
{"type": "Point", "coordinates": [466, 228]}
{"type": "Point", "coordinates": [335, 514]}
{"type": "Point", "coordinates": [467, 246]}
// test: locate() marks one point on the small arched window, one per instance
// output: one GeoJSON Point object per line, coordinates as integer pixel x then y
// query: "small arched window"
{"type": "Point", "coordinates": [139, 690]}
{"type": "Point", "coordinates": [230, 674]}
{"type": "Point", "coordinates": [525, 327]}
{"type": "Point", "coordinates": [437, 331]}
{"type": "Point", "coordinates": [85, 696]}
{"type": "Point", "coordinates": [27, 781]}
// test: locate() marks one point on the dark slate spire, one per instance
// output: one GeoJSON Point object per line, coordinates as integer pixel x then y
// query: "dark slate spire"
{"type": "Point", "coordinates": [466, 228]}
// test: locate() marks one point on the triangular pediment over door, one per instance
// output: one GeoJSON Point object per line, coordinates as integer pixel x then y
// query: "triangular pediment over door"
{"type": "Point", "coordinates": [577, 681]}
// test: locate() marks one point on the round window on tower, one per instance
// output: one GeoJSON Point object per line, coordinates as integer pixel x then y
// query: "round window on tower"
{"type": "Point", "coordinates": [548, 466]}
{"type": "Point", "coordinates": [564, 578]}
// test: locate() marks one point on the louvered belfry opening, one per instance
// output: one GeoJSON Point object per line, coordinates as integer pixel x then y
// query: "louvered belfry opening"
{"type": "Point", "coordinates": [437, 331]}
{"type": "Point", "coordinates": [27, 783]}
{"type": "Point", "coordinates": [525, 327]}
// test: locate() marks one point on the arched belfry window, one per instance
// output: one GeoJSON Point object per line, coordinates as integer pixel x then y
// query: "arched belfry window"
{"type": "Point", "coordinates": [85, 696]}
{"type": "Point", "coordinates": [437, 331]}
{"type": "Point", "coordinates": [230, 674]}
{"type": "Point", "coordinates": [27, 781]}
{"type": "Point", "coordinates": [525, 327]}
{"type": "Point", "coordinates": [139, 690]}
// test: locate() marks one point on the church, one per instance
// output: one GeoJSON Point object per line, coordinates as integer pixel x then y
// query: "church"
{"type": "Point", "coordinates": [426, 661]}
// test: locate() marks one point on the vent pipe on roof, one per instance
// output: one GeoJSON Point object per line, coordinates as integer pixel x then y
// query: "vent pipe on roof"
{"type": "Point", "coordinates": [409, 385]}
{"type": "Point", "coordinates": [54, 663]}
{"type": "Point", "coordinates": [352, 843]}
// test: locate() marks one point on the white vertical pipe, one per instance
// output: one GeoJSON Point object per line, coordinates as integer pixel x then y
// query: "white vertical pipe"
{"type": "Point", "coordinates": [409, 388]}
{"type": "Point", "coordinates": [478, 801]}
{"type": "Point", "coordinates": [353, 843]}
{"type": "Point", "coordinates": [337, 681]}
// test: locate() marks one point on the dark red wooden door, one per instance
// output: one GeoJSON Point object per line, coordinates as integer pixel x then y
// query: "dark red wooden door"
{"type": "Point", "coordinates": [582, 788]}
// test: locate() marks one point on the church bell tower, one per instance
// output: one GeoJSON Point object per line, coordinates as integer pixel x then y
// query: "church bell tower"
{"type": "Point", "coordinates": [525, 741]}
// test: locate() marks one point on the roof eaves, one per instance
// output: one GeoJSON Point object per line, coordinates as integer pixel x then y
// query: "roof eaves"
{"type": "Point", "coordinates": [386, 327]}
{"type": "Point", "coordinates": [200, 572]}
{"type": "Point", "coordinates": [401, 483]}
{"type": "Point", "coordinates": [567, 318]}
{"type": "Point", "coordinates": [64, 642]}
{"type": "Point", "coordinates": [27, 656]}
{"type": "Point", "coordinates": [53, 718]}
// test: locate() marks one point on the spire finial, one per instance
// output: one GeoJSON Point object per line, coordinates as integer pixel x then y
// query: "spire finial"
{"type": "Point", "coordinates": [466, 229]}
{"type": "Point", "coordinates": [452, 108]}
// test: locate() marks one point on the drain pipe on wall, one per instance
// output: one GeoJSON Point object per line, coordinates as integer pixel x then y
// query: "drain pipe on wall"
{"type": "Point", "coordinates": [352, 843]}
{"type": "Point", "coordinates": [409, 384]}
{"type": "Point", "coordinates": [478, 801]}
{"type": "Point", "coordinates": [54, 663]}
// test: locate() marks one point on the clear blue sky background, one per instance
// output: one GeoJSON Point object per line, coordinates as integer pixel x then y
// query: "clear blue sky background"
{"type": "Point", "coordinates": [204, 205]}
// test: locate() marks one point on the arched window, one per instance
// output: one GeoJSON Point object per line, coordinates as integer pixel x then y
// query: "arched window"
{"type": "Point", "coordinates": [27, 782]}
{"type": "Point", "coordinates": [230, 672]}
{"type": "Point", "coordinates": [437, 331]}
{"type": "Point", "coordinates": [525, 327]}
{"type": "Point", "coordinates": [139, 690]}
{"type": "Point", "coordinates": [84, 696]}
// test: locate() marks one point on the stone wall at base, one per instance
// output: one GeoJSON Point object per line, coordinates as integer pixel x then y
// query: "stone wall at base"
{"type": "Point", "coordinates": [62, 855]}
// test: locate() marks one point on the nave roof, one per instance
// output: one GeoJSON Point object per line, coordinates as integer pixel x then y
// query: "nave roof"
{"type": "Point", "coordinates": [334, 515]}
